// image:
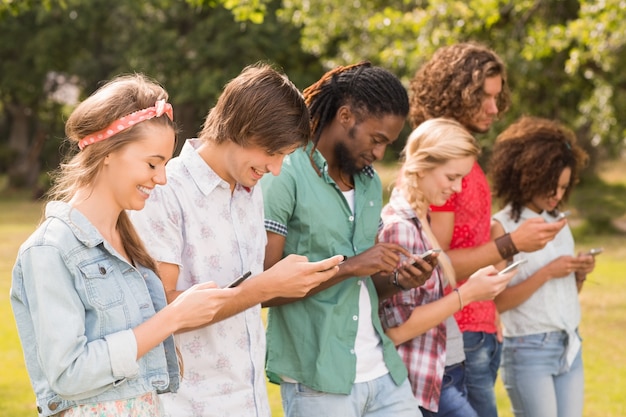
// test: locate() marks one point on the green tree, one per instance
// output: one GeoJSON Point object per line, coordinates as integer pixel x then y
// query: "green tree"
{"type": "Point", "coordinates": [564, 56]}
{"type": "Point", "coordinates": [192, 49]}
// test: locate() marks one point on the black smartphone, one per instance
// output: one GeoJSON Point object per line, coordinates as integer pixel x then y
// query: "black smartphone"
{"type": "Point", "coordinates": [563, 214]}
{"type": "Point", "coordinates": [513, 266]}
{"type": "Point", "coordinates": [239, 280]}
{"type": "Point", "coordinates": [595, 251]}
{"type": "Point", "coordinates": [428, 256]}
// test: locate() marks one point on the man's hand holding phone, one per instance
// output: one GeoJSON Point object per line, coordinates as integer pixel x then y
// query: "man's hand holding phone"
{"type": "Point", "coordinates": [416, 270]}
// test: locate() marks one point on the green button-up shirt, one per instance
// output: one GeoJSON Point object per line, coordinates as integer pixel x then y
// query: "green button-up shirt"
{"type": "Point", "coordinates": [312, 340]}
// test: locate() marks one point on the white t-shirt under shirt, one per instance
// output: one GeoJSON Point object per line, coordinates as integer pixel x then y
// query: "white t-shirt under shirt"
{"type": "Point", "coordinates": [368, 346]}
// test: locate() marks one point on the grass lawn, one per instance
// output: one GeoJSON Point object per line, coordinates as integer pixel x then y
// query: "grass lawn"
{"type": "Point", "coordinates": [603, 302]}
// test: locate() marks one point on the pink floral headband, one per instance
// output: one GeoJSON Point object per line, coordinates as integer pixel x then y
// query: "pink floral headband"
{"type": "Point", "coordinates": [160, 107]}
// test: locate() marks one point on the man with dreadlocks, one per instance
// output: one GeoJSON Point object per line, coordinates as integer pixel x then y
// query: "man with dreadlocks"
{"type": "Point", "coordinates": [328, 351]}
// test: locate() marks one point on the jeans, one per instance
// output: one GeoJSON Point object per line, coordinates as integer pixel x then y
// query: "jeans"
{"type": "Point", "coordinates": [453, 401]}
{"type": "Point", "coordinates": [482, 360]}
{"type": "Point", "coordinates": [380, 397]}
{"type": "Point", "coordinates": [537, 378]}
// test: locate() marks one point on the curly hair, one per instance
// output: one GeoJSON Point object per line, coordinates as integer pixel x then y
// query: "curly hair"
{"type": "Point", "coordinates": [528, 159]}
{"type": "Point", "coordinates": [451, 84]}
{"type": "Point", "coordinates": [369, 90]}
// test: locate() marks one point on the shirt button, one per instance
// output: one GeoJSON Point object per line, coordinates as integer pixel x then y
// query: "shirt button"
{"type": "Point", "coordinates": [355, 318]}
{"type": "Point", "coordinates": [351, 218]}
{"type": "Point", "coordinates": [352, 351]}
{"type": "Point", "coordinates": [371, 204]}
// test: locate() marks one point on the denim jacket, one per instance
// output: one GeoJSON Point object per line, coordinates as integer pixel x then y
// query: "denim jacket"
{"type": "Point", "coordinates": [75, 301]}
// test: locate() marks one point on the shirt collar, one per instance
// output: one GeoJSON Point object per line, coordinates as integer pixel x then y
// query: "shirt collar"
{"type": "Point", "coordinates": [81, 227]}
{"type": "Point", "coordinates": [401, 206]}
{"type": "Point", "coordinates": [200, 172]}
{"type": "Point", "coordinates": [322, 165]}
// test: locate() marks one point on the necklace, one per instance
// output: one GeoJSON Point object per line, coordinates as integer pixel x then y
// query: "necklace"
{"type": "Point", "coordinates": [344, 182]}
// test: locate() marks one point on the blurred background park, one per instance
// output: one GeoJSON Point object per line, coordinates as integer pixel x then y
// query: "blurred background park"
{"type": "Point", "coordinates": [565, 61]}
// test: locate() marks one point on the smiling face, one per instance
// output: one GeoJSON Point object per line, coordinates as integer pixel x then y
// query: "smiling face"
{"type": "Point", "coordinates": [441, 182]}
{"type": "Point", "coordinates": [482, 120]}
{"type": "Point", "coordinates": [550, 202]}
{"type": "Point", "coordinates": [246, 165]}
{"type": "Point", "coordinates": [130, 174]}
{"type": "Point", "coordinates": [366, 141]}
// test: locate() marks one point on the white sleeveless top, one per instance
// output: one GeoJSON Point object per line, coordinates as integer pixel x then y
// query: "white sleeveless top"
{"type": "Point", "coordinates": [555, 305]}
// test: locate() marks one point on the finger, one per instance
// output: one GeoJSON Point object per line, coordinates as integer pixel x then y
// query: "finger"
{"type": "Point", "coordinates": [394, 247]}
{"type": "Point", "coordinates": [328, 263]}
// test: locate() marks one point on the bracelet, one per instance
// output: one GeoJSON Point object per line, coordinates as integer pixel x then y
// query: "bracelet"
{"type": "Point", "coordinates": [460, 298]}
{"type": "Point", "coordinates": [505, 246]}
{"type": "Point", "coordinates": [395, 282]}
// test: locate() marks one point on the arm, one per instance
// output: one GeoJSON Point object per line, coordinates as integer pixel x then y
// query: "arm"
{"type": "Point", "coordinates": [381, 257]}
{"type": "Point", "coordinates": [530, 236]}
{"type": "Point", "coordinates": [484, 284]}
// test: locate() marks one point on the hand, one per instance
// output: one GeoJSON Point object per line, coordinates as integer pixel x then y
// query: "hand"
{"type": "Point", "coordinates": [485, 284]}
{"type": "Point", "coordinates": [410, 276]}
{"type": "Point", "coordinates": [564, 265]}
{"type": "Point", "coordinates": [294, 276]}
{"type": "Point", "coordinates": [199, 305]}
{"type": "Point", "coordinates": [380, 258]}
{"type": "Point", "coordinates": [535, 233]}
{"type": "Point", "coordinates": [587, 263]}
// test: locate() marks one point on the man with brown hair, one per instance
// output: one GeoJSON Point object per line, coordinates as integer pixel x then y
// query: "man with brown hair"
{"type": "Point", "coordinates": [206, 224]}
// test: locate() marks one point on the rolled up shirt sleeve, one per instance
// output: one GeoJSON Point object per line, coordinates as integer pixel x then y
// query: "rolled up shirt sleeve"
{"type": "Point", "coordinates": [123, 354]}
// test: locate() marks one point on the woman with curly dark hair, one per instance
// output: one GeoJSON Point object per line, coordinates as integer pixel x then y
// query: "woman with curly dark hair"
{"type": "Point", "coordinates": [535, 164]}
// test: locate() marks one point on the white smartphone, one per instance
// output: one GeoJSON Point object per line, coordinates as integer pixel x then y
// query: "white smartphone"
{"type": "Point", "coordinates": [239, 280]}
{"type": "Point", "coordinates": [427, 256]}
{"type": "Point", "coordinates": [563, 214]}
{"type": "Point", "coordinates": [595, 251]}
{"type": "Point", "coordinates": [513, 266]}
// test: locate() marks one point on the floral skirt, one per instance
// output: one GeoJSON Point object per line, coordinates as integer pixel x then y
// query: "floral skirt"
{"type": "Point", "coordinates": [146, 405]}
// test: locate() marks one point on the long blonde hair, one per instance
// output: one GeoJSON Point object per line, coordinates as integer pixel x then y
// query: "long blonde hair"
{"type": "Point", "coordinates": [431, 144]}
{"type": "Point", "coordinates": [117, 98]}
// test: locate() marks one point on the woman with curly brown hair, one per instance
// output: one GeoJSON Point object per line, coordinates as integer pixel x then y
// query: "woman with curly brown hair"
{"type": "Point", "coordinates": [535, 164]}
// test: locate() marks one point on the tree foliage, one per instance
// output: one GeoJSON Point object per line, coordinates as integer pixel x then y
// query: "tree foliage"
{"type": "Point", "coordinates": [193, 49]}
{"type": "Point", "coordinates": [564, 56]}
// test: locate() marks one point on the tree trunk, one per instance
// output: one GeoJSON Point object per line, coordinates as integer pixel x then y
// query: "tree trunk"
{"type": "Point", "coordinates": [24, 166]}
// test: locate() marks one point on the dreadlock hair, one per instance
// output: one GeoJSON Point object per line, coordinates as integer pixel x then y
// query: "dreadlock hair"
{"type": "Point", "coordinates": [368, 90]}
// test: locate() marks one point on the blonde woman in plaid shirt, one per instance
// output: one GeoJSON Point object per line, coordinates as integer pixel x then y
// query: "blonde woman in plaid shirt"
{"type": "Point", "coordinates": [420, 321]}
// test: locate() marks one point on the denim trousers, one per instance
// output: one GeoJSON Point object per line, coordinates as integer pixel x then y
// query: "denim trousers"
{"type": "Point", "coordinates": [453, 401]}
{"type": "Point", "coordinates": [482, 360]}
{"type": "Point", "coordinates": [380, 397]}
{"type": "Point", "coordinates": [537, 378]}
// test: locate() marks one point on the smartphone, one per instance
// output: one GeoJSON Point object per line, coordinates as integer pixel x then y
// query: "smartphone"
{"type": "Point", "coordinates": [239, 280]}
{"type": "Point", "coordinates": [513, 266]}
{"type": "Point", "coordinates": [427, 256]}
{"type": "Point", "coordinates": [595, 251]}
{"type": "Point", "coordinates": [563, 214]}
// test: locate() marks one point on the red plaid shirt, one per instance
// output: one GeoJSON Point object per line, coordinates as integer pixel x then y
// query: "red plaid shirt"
{"type": "Point", "coordinates": [425, 355]}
